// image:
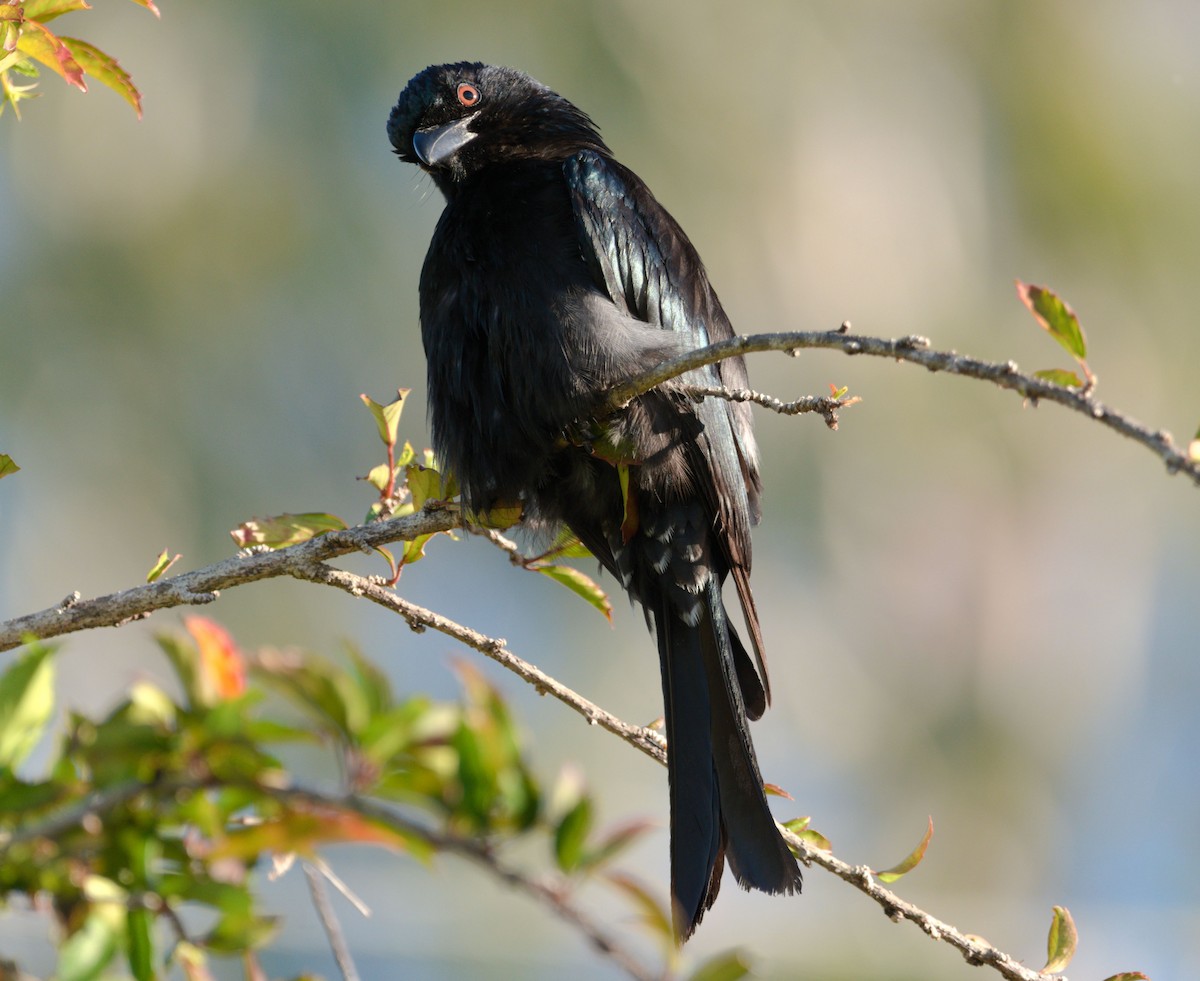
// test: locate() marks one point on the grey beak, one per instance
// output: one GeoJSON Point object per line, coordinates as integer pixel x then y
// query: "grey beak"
{"type": "Point", "coordinates": [439, 142]}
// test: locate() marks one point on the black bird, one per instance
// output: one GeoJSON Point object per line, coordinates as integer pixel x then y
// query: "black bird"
{"type": "Point", "coordinates": [554, 274]}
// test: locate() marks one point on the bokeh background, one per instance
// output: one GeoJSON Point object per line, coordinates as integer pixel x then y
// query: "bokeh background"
{"type": "Point", "coordinates": [975, 609]}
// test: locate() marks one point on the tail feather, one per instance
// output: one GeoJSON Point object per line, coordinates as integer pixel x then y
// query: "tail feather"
{"type": "Point", "coordinates": [718, 806]}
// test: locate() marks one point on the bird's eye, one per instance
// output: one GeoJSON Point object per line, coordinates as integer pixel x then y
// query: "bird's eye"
{"type": "Point", "coordinates": [468, 95]}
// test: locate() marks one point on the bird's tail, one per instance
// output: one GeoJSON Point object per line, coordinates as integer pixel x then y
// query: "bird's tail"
{"type": "Point", "coordinates": [719, 810]}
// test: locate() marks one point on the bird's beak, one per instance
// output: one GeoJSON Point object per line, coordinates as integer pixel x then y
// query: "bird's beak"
{"type": "Point", "coordinates": [435, 144]}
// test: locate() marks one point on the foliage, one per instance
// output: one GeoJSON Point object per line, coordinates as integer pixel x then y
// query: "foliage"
{"type": "Point", "coordinates": [26, 42]}
{"type": "Point", "coordinates": [171, 804]}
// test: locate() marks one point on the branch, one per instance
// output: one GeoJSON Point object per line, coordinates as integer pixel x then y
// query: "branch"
{"type": "Point", "coordinates": [204, 585]}
{"type": "Point", "coordinates": [329, 921]}
{"type": "Point", "coordinates": [976, 951]}
{"type": "Point", "coordinates": [916, 351]}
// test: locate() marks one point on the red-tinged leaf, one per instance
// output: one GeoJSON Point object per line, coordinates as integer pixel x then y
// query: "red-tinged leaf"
{"type": "Point", "coordinates": [774, 790]}
{"type": "Point", "coordinates": [580, 584]}
{"type": "Point", "coordinates": [1055, 317]}
{"type": "Point", "coordinates": [910, 862]}
{"type": "Point", "coordinates": [651, 912]}
{"type": "Point", "coordinates": [149, 5]}
{"type": "Point", "coordinates": [729, 966]}
{"type": "Point", "coordinates": [615, 841]}
{"type": "Point", "coordinates": [164, 561]}
{"type": "Point", "coordinates": [387, 417]}
{"type": "Point", "coordinates": [282, 530]}
{"type": "Point", "coordinates": [838, 393]}
{"type": "Point", "coordinates": [1128, 976]}
{"type": "Point", "coordinates": [1059, 376]}
{"type": "Point", "coordinates": [7, 466]}
{"type": "Point", "coordinates": [304, 829]}
{"type": "Point", "coordinates": [106, 70]}
{"type": "Point", "coordinates": [221, 673]}
{"type": "Point", "coordinates": [41, 45]}
{"type": "Point", "coordinates": [46, 10]}
{"type": "Point", "coordinates": [1062, 941]}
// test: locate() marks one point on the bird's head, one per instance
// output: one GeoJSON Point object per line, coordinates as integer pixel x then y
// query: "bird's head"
{"type": "Point", "coordinates": [454, 120]}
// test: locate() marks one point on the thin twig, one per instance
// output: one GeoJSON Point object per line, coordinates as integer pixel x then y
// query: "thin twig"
{"type": "Point", "coordinates": [419, 618]}
{"type": "Point", "coordinates": [329, 921]}
{"type": "Point", "coordinates": [827, 406]}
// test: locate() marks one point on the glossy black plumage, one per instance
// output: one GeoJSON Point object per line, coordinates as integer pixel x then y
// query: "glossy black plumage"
{"type": "Point", "coordinates": [554, 274]}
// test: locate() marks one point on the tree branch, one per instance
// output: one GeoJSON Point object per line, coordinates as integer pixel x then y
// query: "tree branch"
{"type": "Point", "coordinates": [204, 585]}
{"type": "Point", "coordinates": [915, 350]}
{"type": "Point", "coordinates": [977, 952]}
{"type": "Point", "coordinates": [308, 560]}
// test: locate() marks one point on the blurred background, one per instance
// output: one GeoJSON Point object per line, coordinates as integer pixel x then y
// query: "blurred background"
{"type": "Point", "coordinates": [974, 609]}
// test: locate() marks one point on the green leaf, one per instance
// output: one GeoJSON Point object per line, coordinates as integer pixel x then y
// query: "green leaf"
{"type": "Point", "coordinates": [1128, 976]}
{"type": "Point", "coordinates": [164, 561]}
{"type": "Point", "coordinates": [91, 948]}
{"type": "Point", "coordinates": [499, 517]}
{"type": "Point", "coordinates": [1062, 941]}
{"type": "Point", "coordinates": [729, 966]}
{"type": "Point", "coordinates": [47, 10]}
{"type": "Point", "coordinates": [910, 861]}
{"type": "Point", "coordinates": [26, 704]}
{"type": "Point", "coordinates": [580, 584]}
{"type": "Point", "coordinates": [566, 546]}
{"type": "Point", "coordinates": [1055, 317]}
{"type": "Point", "coordinates": [283, 530]}
{"type": "Point", "coordinates": [571, 834]}
{"type": "Point", "coordinates": [1193, 450]}
{"type": "Point", "coordinates": [139, 942]}
{"type": "Point", "coordinates": [377, 477]}
{"type": "Point", "coordinates": [387, 417]}
{"type": "Point", "coordinates": [88, 951]}
{"type": "Point", "coordinates": [427, 484]}
{"type": "Point", "coordinates": [106, 70]}
{"type": "Point", "coordinates": [7, 466]}
{"type": "Point", "coordinates": [1059, 376]}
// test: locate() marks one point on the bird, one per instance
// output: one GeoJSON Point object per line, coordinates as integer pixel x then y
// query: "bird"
{"type": "Point", "coordinates": [553, 275]}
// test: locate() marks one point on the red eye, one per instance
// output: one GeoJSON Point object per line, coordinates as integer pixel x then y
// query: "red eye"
{"type": "Point", "coordinates": [468, 95]}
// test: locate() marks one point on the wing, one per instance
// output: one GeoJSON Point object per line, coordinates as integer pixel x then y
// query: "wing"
{"type": "Point", "coordinates": [644, 262]}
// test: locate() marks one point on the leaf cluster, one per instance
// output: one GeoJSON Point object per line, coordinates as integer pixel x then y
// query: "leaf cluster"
{"type": "Point", "coordinates": [150, 825]}
{"type": "Point", "coordinates": [26, 42]}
